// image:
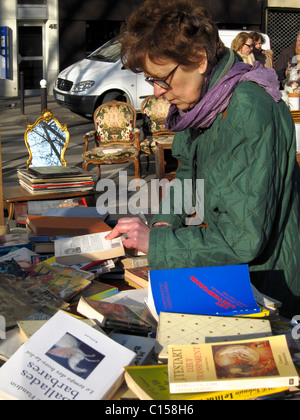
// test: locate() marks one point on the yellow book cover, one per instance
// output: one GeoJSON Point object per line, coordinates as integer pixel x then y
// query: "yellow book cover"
{"type": "Point", "coordinates": [152, 383]}
{"type": "Point", "coordinates": [246, 364]}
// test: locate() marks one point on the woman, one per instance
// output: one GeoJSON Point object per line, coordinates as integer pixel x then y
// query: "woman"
{"type": "Point", "coordinates": [243, 45]}
{"type": "Point", "coordinates": [232, 131]}
{"type": "Point", "coordinates": [265, 57]}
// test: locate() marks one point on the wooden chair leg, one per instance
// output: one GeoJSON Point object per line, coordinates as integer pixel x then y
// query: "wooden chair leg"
{"type": "Point", "coordinates": [137, 168]}
{"type": "Point", "coordinates": [99, 172]}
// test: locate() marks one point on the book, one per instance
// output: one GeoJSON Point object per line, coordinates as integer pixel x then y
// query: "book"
{"type": "Point", "coordinates": [28, 328]}
{"type": "Point", "coordinates": [56, 171]}
{"type": "Point", "coordinates": [95, 212]}
{"type": "Point", "coordinates": [21, 297]}
{"type": "Point", "coordinates": [87, 248]}
{"type": "Point", "coordinates": [73, 271]}
{"type": "Point", "coordinates": [152, 383]}
{"type": "Point", "coordinates": [33, 178]}
{"type": "Point", "coordinates": [222, 290]}
{"type": "Point", "coordinates": [63, 283]}
{"type": "Point", "coordinates": [65, 226]}
{"type": "Point", "coordinates": [180, 329]}
{"type": "Point", "coordinates": [114, 316]}
{"type": "Point", "coordinates": [142, 346]}
{"type": "Point", "coordinates": [137, 277]}
{"type": "Point", "coordinates": [260, 363]}
{"type": "Point", "coordinates": [96, 291]}
{"type": "Point", "coordinates": [65, 360]}
{"type": "Point", "coordinates": [132, 262]}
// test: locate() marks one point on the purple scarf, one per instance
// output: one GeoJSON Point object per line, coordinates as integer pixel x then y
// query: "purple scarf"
{"type": "Point", "coordinates": [216, 100]}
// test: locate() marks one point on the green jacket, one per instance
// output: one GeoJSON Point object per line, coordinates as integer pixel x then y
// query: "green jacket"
{"type": "Point", "coordinates": [247, 160]}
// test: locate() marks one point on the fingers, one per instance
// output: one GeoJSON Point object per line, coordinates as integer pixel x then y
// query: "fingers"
{"type": "Point", "coordinates": [135, 233]}
{"type": "Point", "coordinates": [122, 228]}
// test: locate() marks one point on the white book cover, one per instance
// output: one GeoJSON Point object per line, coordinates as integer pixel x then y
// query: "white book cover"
{"type": "Point", "coordinates": [86, 248]}
{"type": "Point", "coordinates": [65, 360]}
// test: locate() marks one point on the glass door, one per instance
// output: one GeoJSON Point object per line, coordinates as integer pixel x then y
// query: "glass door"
{"type": "Point", "coordinates": [31, 60]}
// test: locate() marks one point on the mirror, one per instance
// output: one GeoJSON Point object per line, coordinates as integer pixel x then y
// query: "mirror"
{"type": "Point", "coordinates": [46, 141]}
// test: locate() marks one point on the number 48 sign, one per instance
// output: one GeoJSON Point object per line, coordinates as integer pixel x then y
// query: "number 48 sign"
{"type": "Point", "coordinates": [2, 328]}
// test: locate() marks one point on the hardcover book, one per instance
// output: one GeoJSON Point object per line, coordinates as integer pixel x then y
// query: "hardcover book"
{"type": "Point", "coordinates": [65, 360]}
{"type": "Point", "coordinates": [222, 290]}
{"type": "Point", "coordinates": [261, 363]}
{"type": "Point", "coordinates": [65, 226]}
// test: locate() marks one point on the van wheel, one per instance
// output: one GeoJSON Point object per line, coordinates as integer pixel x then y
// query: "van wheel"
{"type": "Point", "coordinates": [114, 96]}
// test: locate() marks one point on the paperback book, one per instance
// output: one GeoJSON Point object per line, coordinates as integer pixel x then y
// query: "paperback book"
{"type": "Point", "coordinates": [152, 383]}
{"type": "Point", "coordinates": [222, 290]}
{"type": "Point", "coordinates": [181, 329]}
{"type": "Point", "coordinates": [261, 363]}
{"type": "Point", "coordinates": [87, 248]}
{"type": "Point", "coordinates": [65, 360]}
{"type": "Point", "coordinates": [131, 319]}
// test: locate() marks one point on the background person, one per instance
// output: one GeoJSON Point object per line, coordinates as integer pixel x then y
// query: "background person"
{"type": "Point", "coordinates": [234, 132]}
{"type": "Point", "coordinates": [287, 59]}
{"type": "Point", "coordinates": [265, 57]}
{"type": "Point", "coordinates": [243, 45]}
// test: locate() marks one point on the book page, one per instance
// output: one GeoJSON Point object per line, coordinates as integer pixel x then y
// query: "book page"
{"type": "Point", "coordinates": [86, 244]}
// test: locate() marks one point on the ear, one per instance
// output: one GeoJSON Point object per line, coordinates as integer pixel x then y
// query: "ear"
{"type": "Point", "coordinates": [202, 68]}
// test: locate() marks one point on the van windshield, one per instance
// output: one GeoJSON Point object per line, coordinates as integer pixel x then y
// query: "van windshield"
{"type": "Point", "coordinates": [109, 52]}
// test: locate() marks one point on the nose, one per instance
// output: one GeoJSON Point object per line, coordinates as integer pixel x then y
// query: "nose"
{"type": "Point", "coordinates": [159, 91]}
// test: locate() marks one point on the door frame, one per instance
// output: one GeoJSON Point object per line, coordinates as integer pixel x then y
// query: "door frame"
{"type": "Point", "coordinates": [36, 23]}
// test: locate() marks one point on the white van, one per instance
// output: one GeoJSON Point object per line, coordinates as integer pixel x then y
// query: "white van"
{"type": "Point", "coordinates": [101, 78]}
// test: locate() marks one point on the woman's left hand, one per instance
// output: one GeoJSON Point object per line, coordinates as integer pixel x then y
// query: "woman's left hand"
{"type": "Point", "coordinates": [135, 234]}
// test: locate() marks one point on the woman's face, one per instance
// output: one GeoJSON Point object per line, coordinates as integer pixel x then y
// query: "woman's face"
{"type": "Point", "coordinates": [186, 84]}
{"type": "Point", "coordinates": [247, 47]}
{"type": "Point", "coordinates": [258, 44]}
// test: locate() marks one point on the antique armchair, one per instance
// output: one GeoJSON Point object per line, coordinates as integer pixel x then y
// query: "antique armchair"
{"type": "Point", "coordinates": [46, 141]}
{"type": "Point", "coordinates": [154, 111]}
{"type": "Point", "coordinates": [116, 137]}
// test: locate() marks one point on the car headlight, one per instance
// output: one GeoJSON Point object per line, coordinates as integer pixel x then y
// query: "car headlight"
{"type": "Point", "coordinates": [82, 86]}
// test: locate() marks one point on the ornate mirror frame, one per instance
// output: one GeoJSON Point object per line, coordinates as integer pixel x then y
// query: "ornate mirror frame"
{"type": "Point", "coordinates": [47, 117]}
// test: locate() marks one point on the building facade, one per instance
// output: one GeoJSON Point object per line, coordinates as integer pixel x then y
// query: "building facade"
{"type": "Point", "coordinates": [42, 37]}
{"type": "Point", "coordinates": [32, 44]}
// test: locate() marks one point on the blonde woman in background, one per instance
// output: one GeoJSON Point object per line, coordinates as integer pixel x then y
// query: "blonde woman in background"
{"type": "Point", "coordinates": [265, 57]}
{"type": "Point", "coordinates": [243, 45]}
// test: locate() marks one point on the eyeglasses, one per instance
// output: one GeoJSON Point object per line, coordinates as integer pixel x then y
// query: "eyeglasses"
{"type": "Point", "coordinates": [161, 82]}
{"type": "Point", "coordinates": [249, 46]}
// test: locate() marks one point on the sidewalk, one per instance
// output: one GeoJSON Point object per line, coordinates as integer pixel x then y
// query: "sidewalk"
{"type": "Point", "coordinates": [14, 153]}
{"type": "Point", "coordinates": [13, 126]}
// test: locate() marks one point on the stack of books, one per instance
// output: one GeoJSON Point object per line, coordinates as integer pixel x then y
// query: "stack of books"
{"type": "Point", "coordinates": [55, 179]}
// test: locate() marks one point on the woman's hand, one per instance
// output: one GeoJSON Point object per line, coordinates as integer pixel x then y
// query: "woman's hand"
{"type": "Point", "coordinates": [135, 234]}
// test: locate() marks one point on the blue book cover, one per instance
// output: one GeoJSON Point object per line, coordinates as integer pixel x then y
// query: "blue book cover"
{"type": "Point", "coordinates": [222, 290]}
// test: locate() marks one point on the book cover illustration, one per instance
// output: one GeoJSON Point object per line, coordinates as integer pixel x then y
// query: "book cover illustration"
{"type": "Point", "coordinates": [75, 355]}
{"type": "Point", "coordinates": [223, 290]}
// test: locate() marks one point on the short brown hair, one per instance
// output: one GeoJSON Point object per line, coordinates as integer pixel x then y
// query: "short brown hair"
{"type": "Point", "coordinates": [240, 40]}
{"type": "Point", "coordinates": [177, 29]}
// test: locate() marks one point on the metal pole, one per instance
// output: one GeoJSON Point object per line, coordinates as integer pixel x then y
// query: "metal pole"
{"type": "Point", "coordinates": [22, 93]}
{"type": "Point", "coordinates": [44, 102]}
